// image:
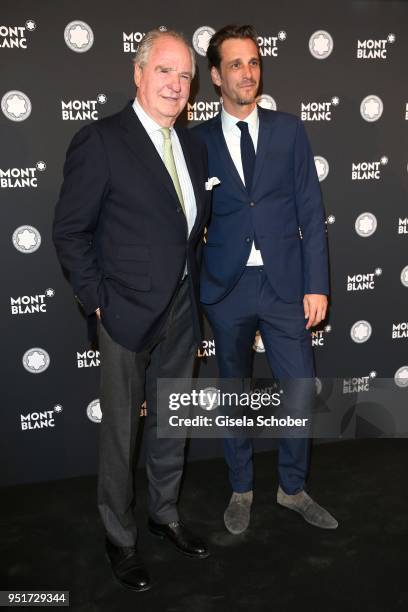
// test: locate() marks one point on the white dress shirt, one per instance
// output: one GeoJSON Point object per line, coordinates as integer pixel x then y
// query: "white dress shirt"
{"type": "Point", "coordinates": [232, 135]}
{"type": "Point", "coordinates": [153, 130]}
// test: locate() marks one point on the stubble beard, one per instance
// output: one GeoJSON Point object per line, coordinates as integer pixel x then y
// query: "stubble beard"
{"type": "Point", "coordinates": [246, 101]}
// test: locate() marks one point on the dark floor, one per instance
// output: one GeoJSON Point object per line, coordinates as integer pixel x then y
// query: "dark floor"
{"type": "Point", "coordinates": [51, 538]}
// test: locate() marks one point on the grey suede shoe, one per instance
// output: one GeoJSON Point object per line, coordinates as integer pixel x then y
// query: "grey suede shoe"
{"type": "Point", "coordinates": [308, 508]}
{"type": "Point", "coordinates": [238, 513]}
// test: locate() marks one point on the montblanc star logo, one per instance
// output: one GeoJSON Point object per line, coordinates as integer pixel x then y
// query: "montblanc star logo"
{"type": "Point", "coordinates": [366, 224]}
{"type": "Point", "coordinates": [266, 101]}
{"type": "Point", "coordinates": [401, 377]}
{"type": "Point", "coordinates": [322, 167]}
{"type": "Point", "coordinates": [201, 39]}
{"type": "Point", "coordinates": [361, 331]}
{"type": "Point", "coordinates": [320, 44]}
{"type": "Point", "coordinates": [16, 105]}
{"type": "Point", "coordinates": [371, 108]}
{"type": "Point", "coordinates": [36, 360]}
{"type": "Point", "coordinates": [78, 36]}
{"type": "Point", "coordinates": [404, 276]}
{"type": "Point", "coordinates": [26, 239]}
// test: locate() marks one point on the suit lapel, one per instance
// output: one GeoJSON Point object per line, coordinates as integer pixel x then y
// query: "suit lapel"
{"type": "Point", "coordinates": [139, 142]}
{"type": "Point", "coordinates": [224, 154]}
{"type": "Point", "coordinates": [266, 127]}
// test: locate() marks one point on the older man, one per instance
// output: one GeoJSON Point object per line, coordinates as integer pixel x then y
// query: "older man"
{"type": "Point", "coordinates": [127, 229]}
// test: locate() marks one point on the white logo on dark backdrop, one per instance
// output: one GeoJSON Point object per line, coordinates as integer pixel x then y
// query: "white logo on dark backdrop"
{"type": "Point", "coordinates": [318, 336]}
{"type": "Point", "coordinates": [15, 37]}
{"type": "Point", "coordinates": [403, 225]}
{"type": "Point", "coordinates": [21, 177]}
{"type": "Point", "coordinates": [132, 41]}
{"type": "Point", "coordinates": [400, 330]}
{"type": "Point", "coordinates": [201, 39]}
{"type": "Point", "coordinates": [366, 171]}
{"type": "Point", "coordinates": [357, 384]}
{"type": "Point", "coordinates": [31, 304]}
{"type": "Point", "coordinates": [207, 349]}
{"type": "Point", "coordinates": [361, 332]}
{"type": "Point", "coordinates": [208, 398]}
{"type": "Point", "coordinates": [401, 377]}
{"type": "Point", "coordinates": [78, 36]}
{"type": "Point", "coordinates": [321, 44]}
{"type": "Point", "coordinates": [269, 45]}
{"type": "Point", "coordinates": [16, 105]}
{"type": "Point", "coordinates": [371, 108]}
{"type": "Point", "coordinates": [36, 360]}
{"type": "Point", "coordinates": [330, 220]}
{"type": "Point", "coordinates": [366, 224]}
{"type": "Point", "coordinates": [374, 48]}
{"type": "Point", "coordinates": [94, 412]}
{"type": "Point", "coordinates": [88, 359]}
{"type": "Point", "coordinates": [322, 167]}
{"type": "Point", "coordinates": [266, 101]}
{"type": "Point", "coordinates": [26, 239]}
{"type": "Point", "coordinates": [82, 110]}
{"type": "Point", "coordinates": [404, 276]}
{"type": "Point", "coordinates": [202, 111]}
{"type": "Point", "coordinates": [318, 111]}
{"type": "Point", "coordinates": [363, 282]}
{"type": "Point", "coordinates": [40, 420]}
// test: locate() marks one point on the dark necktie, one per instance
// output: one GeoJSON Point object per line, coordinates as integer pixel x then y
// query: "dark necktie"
{"type": "Point", "coordinates": [247, 154]}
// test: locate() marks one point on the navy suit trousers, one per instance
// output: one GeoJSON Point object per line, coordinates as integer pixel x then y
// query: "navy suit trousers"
{"type": "Point", "coordinates": [250, 306]}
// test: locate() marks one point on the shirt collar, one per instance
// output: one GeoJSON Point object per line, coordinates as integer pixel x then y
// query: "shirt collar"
{"type": "Point", "coordinates": [148, 123]}
{"type": "Point", "coordinates": [229, 121]}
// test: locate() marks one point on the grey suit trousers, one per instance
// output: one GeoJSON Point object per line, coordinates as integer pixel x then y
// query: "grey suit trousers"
{"type": "Point", "coordinates": [127, 379]}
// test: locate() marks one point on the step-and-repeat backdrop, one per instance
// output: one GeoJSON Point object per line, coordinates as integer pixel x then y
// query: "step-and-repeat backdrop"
{"type": "Point", "coordinates": [340, 66]}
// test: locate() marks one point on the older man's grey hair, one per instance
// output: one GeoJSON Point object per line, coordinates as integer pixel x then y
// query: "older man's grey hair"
{"type": "Point", "coordinates": [143, 51]}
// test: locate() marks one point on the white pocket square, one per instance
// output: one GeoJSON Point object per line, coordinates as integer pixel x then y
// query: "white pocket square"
{"type": "Point", "coordinates": [211, 183]}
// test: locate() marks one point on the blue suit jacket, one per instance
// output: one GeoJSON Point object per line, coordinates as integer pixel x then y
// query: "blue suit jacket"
{"type": "Point", "coordinates": [285, 198]}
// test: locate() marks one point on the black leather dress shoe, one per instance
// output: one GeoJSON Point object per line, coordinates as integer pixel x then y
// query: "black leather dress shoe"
{"type": "Point", "coordinates": [185, 541]}
{"type": "Point", "coordinates": [128, 567]}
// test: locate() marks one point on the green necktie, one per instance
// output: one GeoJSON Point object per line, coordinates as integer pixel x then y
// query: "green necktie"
{"type": "Point", "coordinates": [170, 164]}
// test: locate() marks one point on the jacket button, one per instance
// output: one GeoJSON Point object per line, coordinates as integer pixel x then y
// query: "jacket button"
{"type": "Point", "coordinates": [252, 203]}
{"type": "Point", "coordinates": [247, 239]}
{"type": "Point", "coordinates": [178, 209]}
